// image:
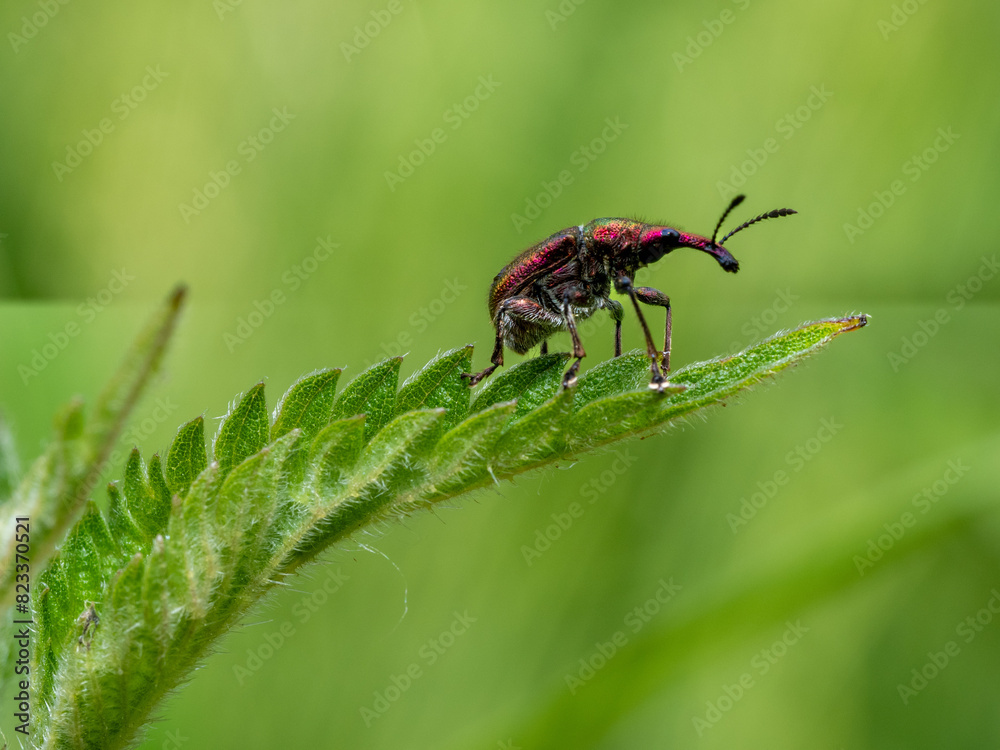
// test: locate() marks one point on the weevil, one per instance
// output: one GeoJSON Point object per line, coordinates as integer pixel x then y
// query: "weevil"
{"type": "Point", "coordinates": [569, 276]}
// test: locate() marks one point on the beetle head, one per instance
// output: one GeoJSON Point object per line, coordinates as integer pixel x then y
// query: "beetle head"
{"type": "Point", "coordinates": [657, 241]}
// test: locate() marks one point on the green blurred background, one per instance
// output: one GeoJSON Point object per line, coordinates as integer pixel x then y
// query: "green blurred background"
{"type": "Point", "coordinates": [706, 99]}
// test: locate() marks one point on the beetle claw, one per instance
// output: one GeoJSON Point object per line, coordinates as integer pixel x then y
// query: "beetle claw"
{"type": "Point", "coordinates": [473, 379]}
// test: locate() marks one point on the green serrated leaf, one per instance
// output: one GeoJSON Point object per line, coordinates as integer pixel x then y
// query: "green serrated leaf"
{"type": "Point", "coordinates": [460, 458]}
{"type": "Point", "coordinates": [532, 379]}
{"type": "Point", "coordinates": [161, 493]}
{"type": "Point", "coordinates": [615, 417]}
{"type": "Point", "coordinates": [123, 529]}
{"type": "Point", "coordinates": [372, 393]}
{"type": "Point", "coordinates": [535, 437]}
{"type": "Point", "coordinates": [542, 389]}
{"type": "Point", "coordinates": [187, 457]}
{"type": "Point", "coordinates": [607, 419]}
{"type": "Point", "coordinates": [760, 360]}
{"type": "Point", "coordinates": [148, 510]}
{"type": "Point", "coordinates": [120, 630]}
{"type": "Point", "coordinates": [85, 562]}
{"type": "Point", "coordinates": [71, 466]}
{"type": "Point", "coordinates": [195, 525]}
{"type": "Point", "coordinates": [103, 553]}
{"type": "Point", "coordinates": [50, 608]}
{"type": "Point", "coordinates": [125, 594]}
{"type": "Point", "coordinates": [157, 598]}
{"type": "Point", "coordinates": [403, 449]}
{"type": "Point", "coordinates": [245, 511]}
{"type": "Point", "coordinates": [629, 372]}
{"type": "Point", "coordinates": [439, 384]}
{"type": "Point", "coordinates": [244, 431]}
{"type": "Point", "coordinates": [241, 507]}
{"type": "Point", "coordinates": [306, 406]}
{"type": "Point", "coordinates": [334, 452]}
{"type": "Point", "coordinates": [207, 544]}
{"type": "Point", "coordinates": [330, 461]}
{"type": "Point", "coordinates": [388, 466]}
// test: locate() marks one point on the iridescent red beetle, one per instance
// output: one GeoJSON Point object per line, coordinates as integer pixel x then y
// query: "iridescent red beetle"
{"type": "Point", "coordinates": [569, 276]}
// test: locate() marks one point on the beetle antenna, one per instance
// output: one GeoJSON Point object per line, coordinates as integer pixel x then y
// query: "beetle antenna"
{"type": "Point", "coordinates": [735, 202]}
{"type": "Point", "coordinates": [769, 215]}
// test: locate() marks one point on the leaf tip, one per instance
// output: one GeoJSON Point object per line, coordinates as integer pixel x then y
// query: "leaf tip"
{"type": "Point", "coordinates": [855, 322]}
{"type": "Point", "coordinates": [178, 295]}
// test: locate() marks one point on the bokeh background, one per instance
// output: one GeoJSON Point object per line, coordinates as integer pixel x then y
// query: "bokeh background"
{"type": "Point", "coordinates": [218, 142]}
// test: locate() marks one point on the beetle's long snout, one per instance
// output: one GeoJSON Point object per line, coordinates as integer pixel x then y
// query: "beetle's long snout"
{"type": "Point", "coordinates": [721, 255]}
{"type": "Point", "coordinates": [724, 257]}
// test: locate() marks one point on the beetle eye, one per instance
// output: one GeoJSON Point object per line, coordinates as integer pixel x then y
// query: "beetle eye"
{"type": "Point", "coordinates": [658, 244]}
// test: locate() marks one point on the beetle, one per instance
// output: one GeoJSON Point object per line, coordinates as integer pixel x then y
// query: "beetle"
{"type": "Point", "coordinates": [569, 276]}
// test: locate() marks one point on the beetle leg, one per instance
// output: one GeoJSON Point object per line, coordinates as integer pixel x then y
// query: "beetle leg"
{"type": "Point", "coordinates": [569, 379]}
{"type": "Point", "coordinates": [624, 284]}
{"type": "Point", "coordinates": [544, 348]}
{"type": "Point", "coordinates": [496, 359]}
{"type": "Point", "coordinates": [617, 313]}
{"type": "Point", "coordinates": [655, 297]}
{"type": "Point", "coordinates": [513, 311]}
{"type": "Point", "coordinates": [519, 313]}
